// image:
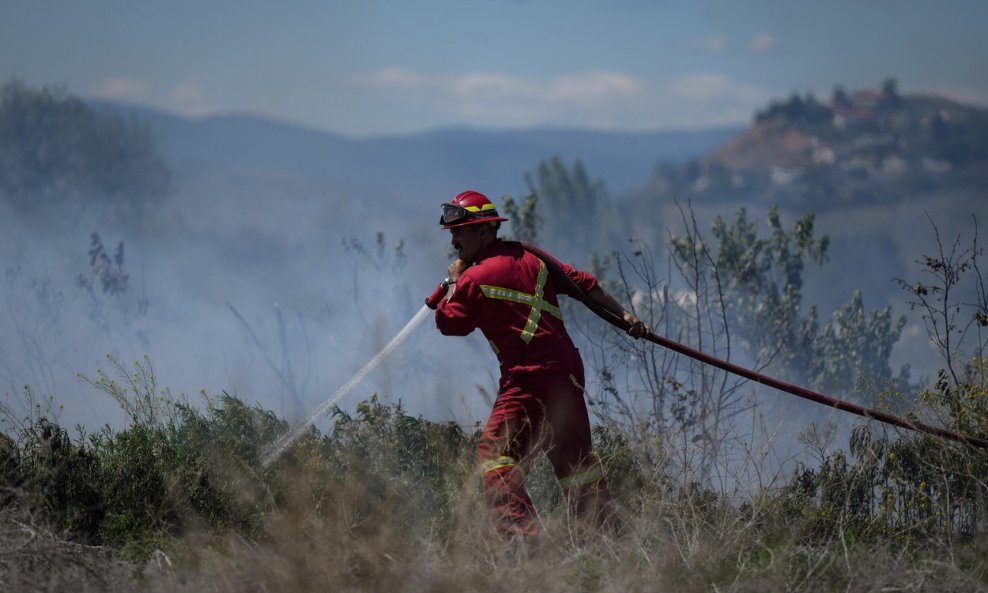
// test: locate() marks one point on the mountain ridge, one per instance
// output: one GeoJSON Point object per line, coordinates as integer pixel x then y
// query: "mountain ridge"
{"type": "Point", "coordinates": [427, 162]}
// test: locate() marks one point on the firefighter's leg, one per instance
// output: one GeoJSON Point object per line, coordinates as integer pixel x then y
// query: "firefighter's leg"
{"type": "Point", "coordinates": [579, 472]}
{"type": "Point", "coordinates": [504, 452]}
{"type": "Point", "coordinates": [589, 498]}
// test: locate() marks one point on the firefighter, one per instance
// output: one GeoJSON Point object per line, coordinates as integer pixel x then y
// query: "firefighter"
{"type": "Point", "coordinates": [508, 293]}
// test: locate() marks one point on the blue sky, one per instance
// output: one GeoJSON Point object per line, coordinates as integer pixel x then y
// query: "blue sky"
{"type": "Point", "coordinates": [372, 67]}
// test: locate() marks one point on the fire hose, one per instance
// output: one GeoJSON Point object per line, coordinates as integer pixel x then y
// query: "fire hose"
{"type": "Point", "coordinates": [562, 279]}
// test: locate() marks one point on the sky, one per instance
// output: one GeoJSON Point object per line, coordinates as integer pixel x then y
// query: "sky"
{"type": "Point", "coordinates": [375, 67]}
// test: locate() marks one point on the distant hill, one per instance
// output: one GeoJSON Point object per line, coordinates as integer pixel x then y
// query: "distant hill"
{"type": "Point", "coordinates": [868, 146]}
{"type": "Point", "coordinates": [425, 164]}
{"type": "Point", "coordinates": [876, 167]}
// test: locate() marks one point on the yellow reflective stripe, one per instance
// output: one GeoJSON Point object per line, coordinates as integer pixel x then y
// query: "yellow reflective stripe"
{"type": "Point", "coordinates": [484, 208]}
{"type": "Point", "coordinates": [506, 294]}
{"type": "Point", "coordinates": [536, 313]}
{"type": "Point", "coordinates": [496, 463]}
{"type": "Point", "coordinates": [536, 302]}
{"type": "Point", "coordinates": [496, 292]}
{"type": "Point", "coordinates": [581, 479]}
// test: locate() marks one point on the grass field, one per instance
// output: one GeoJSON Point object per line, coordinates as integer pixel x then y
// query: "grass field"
{"type": "Point", "coordinates": [179, 501]}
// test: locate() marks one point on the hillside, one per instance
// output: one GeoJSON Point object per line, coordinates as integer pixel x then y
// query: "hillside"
{"type": "Point", "coordinates": [414, 165]}
{"type": "Point", "coordinates": [876, 167]}
{"type": "Point", "coordinates": [868, 146]}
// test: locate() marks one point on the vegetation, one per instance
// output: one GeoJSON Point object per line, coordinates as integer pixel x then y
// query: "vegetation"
{"type": "Point", "coordinates": [61, 157]}
{"type": "Point", "coordinates": [387, 501]}
{"type": "Point", "coordinates": [574, 214]}
{"type": "Point", "coordinates": [178, 498]}
{"type": "Point", "coordinates": [763, 280]}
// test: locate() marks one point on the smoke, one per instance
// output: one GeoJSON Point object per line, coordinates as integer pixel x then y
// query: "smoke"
{"type": "Point", "coordinates": [277, 284]}
{"type": "Point", "coordinates": [264, 291]}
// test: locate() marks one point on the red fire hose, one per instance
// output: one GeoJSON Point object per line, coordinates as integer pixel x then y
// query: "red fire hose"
{"type": "Point", "coordinates": [796, 390]}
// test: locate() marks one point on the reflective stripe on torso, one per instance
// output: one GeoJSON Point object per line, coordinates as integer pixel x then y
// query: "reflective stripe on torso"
{"type": "Point", "coordinates": [536, 301]}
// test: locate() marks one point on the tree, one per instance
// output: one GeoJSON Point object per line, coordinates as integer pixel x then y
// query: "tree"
{"type": "Point", "coordinates": [891, 99]}
{"type": "Point", "coordinates": [739, 298]}
{"type": "Point", "coordinates": [921, 488]}
{"type": "Point", "coordinates": [953, 320]}
{"type": "Point", "coordinates": [575, 219]}
{"type": "Point", "coordinates": [525, 221]}
{"type": "Point", "coordinates": [763, 280]}
{"type": "Point", "coordinates": [799, 111]}
{"type": "Point", "coordinates": [840, 99]}
{"type": "Point", "coordinates": [890, 87]}
{"type": "Point", "coordinates": [60, 156]}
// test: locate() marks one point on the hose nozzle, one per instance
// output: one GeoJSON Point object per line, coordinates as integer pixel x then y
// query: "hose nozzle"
{"type": "Point", "coordinates": [433, 301]}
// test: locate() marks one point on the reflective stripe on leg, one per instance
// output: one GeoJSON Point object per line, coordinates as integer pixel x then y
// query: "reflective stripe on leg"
{"type": "Point", "coordinates": [497, 463]}
{"type": "Point", "coordinates": [583, 478]}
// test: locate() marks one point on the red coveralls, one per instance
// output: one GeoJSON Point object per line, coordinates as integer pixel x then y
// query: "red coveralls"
{"type": "Point", "coordinates": [510, 297]}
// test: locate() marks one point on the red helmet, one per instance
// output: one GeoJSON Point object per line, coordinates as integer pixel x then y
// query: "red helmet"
{"type": "Point", "coordinates": [470, 207]}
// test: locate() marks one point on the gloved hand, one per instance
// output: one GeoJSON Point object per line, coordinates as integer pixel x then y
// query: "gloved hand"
{"type": "Point", "coordinates": [637, 327]}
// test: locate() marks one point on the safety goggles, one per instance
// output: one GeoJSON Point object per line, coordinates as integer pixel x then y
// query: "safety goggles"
{"type": "Point", "coordinates": [453, 214]}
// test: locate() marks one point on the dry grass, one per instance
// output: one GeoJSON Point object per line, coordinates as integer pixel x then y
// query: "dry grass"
{"type": "Point", "coordinates": [672, 543]}
{"type": "Point", "coordinates": [388, 502]}
{"type": "Point", "coordinates": [33, 558]}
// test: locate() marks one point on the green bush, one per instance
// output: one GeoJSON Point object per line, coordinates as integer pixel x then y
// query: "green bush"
{"type": "Point", "coordinates": [418, 465]}
{"type": "Point", "coordinates": [380, 475]}
{"type": "Point", "coordinates": [59, 479]}
{"type": "Point", "coordinates": [914, 488]}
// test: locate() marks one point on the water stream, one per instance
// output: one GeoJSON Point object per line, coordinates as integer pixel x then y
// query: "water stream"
{"type": "Point", "coordinates": [299, 429]}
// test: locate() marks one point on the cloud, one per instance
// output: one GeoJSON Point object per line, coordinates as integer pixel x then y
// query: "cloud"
{"type": "Point", "coordinates": [593, 86]}
{"type": "Point", "coordinates": [719, 43]}
{"type": "Point", "coordinates": [121, 88]}
{"type": "Point", "coordinates": [701, 86]}
{"type": "Point", "coordinates": [572, 88]}
{"type": "Point", "coordinates": [187, 92]}
{"type": "Point", "coordinates": [485, 85]}
{"type": "Point", "coordinates": [493, 98]}
{"type": "Point", "coordinates": [713, 99]}
{"type": "Point", "coordinates": [762, 42]}
{"type": "Point", "coordinates": [188, 98]}
{"type": "Point", "coordinates": [592, 99]}
{"type": "Point", "coordinates": [715, 87]}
